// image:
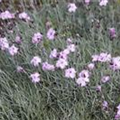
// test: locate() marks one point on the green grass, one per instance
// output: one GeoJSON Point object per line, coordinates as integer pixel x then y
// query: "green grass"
{"type": "Point", "coordinates": [55, 97]}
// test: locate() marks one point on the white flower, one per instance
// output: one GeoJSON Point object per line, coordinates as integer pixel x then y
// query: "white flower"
{"type": "Point", "coordinates": [72, 7]}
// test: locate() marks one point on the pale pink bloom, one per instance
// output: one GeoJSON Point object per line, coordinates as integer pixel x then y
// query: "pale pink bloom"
{"type": "Point", "coordinates": [98, 88]}
{"type": "Point", "coordinates": [84, 74]}
{"type": "Point", "coordinates": [103, 2]}
{"type": "Point", "coordinates": [51, 34]}
{"type": "Point", "coordinates": [53, 53]}
{"type": "Point", "coordinates": [72, 7]}
{"type": "Point", "coordinates": [87, 2]}
{"type": "Point", "coordinates": [48, 67]}
{"type": "Point", "coordinates": [6, 15]}
{"type": "Point", "coordinates": [91, 66]}
{"type": "Point", "coordinates": [83, 78]}
{"type": "Point", "coordinates": [115, 63]}
{"type": "Point", "coordinates": [71, 47]}
{"type": "Point", "coordinates": [95, 58]}
{"type": "Point", "coordinates": [24, 16]}
{"type": "Point", "coordinates": [20, 69]}
{"type": "Point", "coordinates": [4, 44]}
{"type": "Point", "coordinates": [13, 50]}
{"type": "Point", "coordinates": [104, 57]}
{"type": "Point", "coordinates": [61, 63]}
{"type": "Point", "coordinates": [105, 79]}
{"type": "Point", "coordinates": [37, 37]}
{"type": "Point", "coordinates": [35, 77]}
{"type": "Point", "coordinates": [82, 81]}
{"type": "Point", "coordinates": [18, 39]}
{"type": "Point", "coordinates": [70, 73]}
{"type": "Point", "coordinates": [36, 60]}
{"type": "Point", "coordinates": [105, 105]}
{"type": "Point", "coordinates": [64, 54]}
{"type": "Point", "coordinates": [112, 32]}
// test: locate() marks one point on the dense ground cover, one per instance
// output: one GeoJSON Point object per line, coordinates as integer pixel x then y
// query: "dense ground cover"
{"type": "Point", "coordinates": [59, 60]}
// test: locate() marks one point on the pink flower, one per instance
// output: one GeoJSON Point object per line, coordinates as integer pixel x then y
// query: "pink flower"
{"type": "Point", "coordinates": [83, 78]}
{"type": "Point", "coordinates": [98, 88]}
{"type": "Point", "coordinates": [70, 73]}
{"type": "Point", "coordinates": [37, 37]}
{"type": "Point", "coordinates": [24, 16]}
{"type": "Point", "coordinates": [6, 15]}
{"type": "Point", "coordinates": [105, 105]}
{"type": "Point", "coordinates": [36, 60]}
{"type": "Point", "coordinates": [46, 66]}
{"type": "Point", "coordinates": [87, 2]}
{"type": "Point", "coordinates": [82, 81]}
{"type": "Point", "coordinates": [72, 7]}
{"type": "Point", "coordinates": [112, 32]}
{"type": "Point", "coordinates": [115, 63]}
{"type": "Point", "coordinates": [84, 74]}
{"type": "Point", "coordinates": [105, 79]}
{"type": "Point", "coordinates": [4, 44]}
{"type": "Point", "coordinates": [51, 34]}
{"type": "Point", "coordinates": [64, 54]}
{"type": "Point", "coordinates": [35, 77]}
{"type": "Point", "coordinates": [13, 50]}
{"type": "Point", "coordinates": [53, 53]}
{"type": "Point", "coordinates": [95, 58]}
{"type": "Point", "coordinates": [103, 2]}
{"type": "Point", "coordinates": [18, 39]}
{"type": "Point", "coordinates": [61, 63]}
{"type": "Point", "coordinates": [91, 66]}
{"type": "Point", "coordinates": [20, 69]}
{"type": "Point", "coordinates": [104, 57]}
{"type": "Point", "coordinates": [71, 47]}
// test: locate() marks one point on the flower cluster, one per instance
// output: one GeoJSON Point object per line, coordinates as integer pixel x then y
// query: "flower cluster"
{"type": "Point", "coordinates": [7, 15]}
{"type": "Point", "coordinates": [102, 57]}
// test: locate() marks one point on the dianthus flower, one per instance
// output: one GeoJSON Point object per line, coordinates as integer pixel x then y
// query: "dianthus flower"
{"type": "Point", "coordinates": [61, 63]}
{"type": "Point", "coordinates": [13, 50]}
{"type": "Point", "coordinates": [72, 7]}
{"type": "Point", "coordinates": [6, 15]}
{"type": "Point", "coordinates": [51, 34]}
{"type": "Point", "coordinates": [53, 53]}
{"type": "Point", "coordinates": [35, 77]}
{"type": "Point", "coordinates": [4, 44]}
{"type": "Point", "coordinates": [103, 2]}
{"type": "Point", "coordinates": [115, 63]}
{"type": "Point", "coordinates": [24, 16]}
{"type": "Point", "coordinates": [37, 37]}
{"type": "Point", "coordinates": [36, 60]}
{"type": "Point", "coordinates": [70, 73]}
